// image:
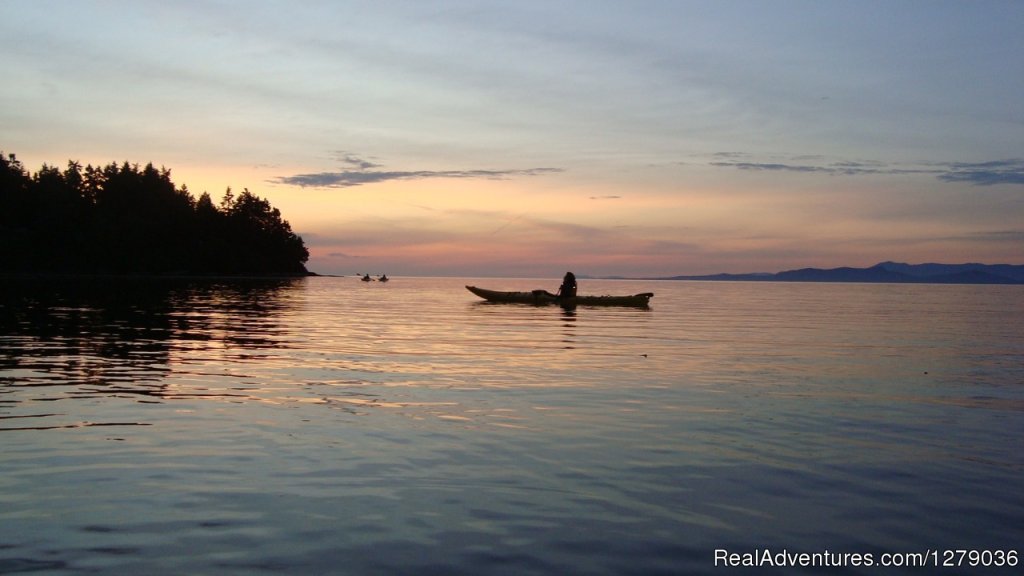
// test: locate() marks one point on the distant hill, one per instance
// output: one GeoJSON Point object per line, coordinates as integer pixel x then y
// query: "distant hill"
{"type": "Point", "coordinates": [889, 272]}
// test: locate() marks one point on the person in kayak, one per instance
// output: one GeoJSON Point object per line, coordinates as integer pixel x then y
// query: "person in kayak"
{"type": "Point", "coordinates": [568, 287]}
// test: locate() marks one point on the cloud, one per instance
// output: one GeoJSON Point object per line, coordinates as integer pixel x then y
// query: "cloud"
{"type": "Point", "coordinates": [360, 172]}
{"type": "Point", "coordinates": [609, 197]}
{"type": "Point", "coordinates": [845, 168]}
{"type": "Point", "coordinates": [772, 167]}
{"type": "Point", "coordinates": [355, 161]}
{"type": "Point", "coordinates": [731, 155]}
{"type": "Point", "coordinates": [986, 173]}
{"type": "Point", "coordinates": [1011, 236]}
{"type": "Point", "coordinates": [977, 173]}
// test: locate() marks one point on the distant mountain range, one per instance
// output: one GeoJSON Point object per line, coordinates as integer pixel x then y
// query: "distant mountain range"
{"type": "Point", "coordinates": [893, 272]}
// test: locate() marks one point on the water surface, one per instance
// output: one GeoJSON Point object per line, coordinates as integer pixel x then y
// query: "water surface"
{"type": "Point", "coordinates": [325, 425]}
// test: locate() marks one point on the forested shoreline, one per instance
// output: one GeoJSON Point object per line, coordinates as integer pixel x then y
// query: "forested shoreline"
{"type": "Point", "coordinates": [123, 219]}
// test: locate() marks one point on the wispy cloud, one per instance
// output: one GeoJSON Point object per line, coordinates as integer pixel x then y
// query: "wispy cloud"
{"type": "Point", "coordinates": [986, 173]}
{"type": "Point", "coordinates": [344, 256]}
{"type": "Point", "coordinates": [772, 167]}
{"type": "Point", "coordinates": [990, 173]}
{"type": "Point", "coordinates": [832, 169]}
{"type": "Point", "coordinates": [359, 171]}
{"type": "Point", "coordinates": [1008, 236]}
{"type": "Point", "coordinates": [350, 159]}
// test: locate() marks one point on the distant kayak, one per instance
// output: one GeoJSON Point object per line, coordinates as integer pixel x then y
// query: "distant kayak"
{"type": "Point", "coordinates": [543, 297]}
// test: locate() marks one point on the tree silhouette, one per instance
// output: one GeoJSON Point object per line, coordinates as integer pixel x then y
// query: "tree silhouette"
{"type": "Point", "coordinates": [125, 219]}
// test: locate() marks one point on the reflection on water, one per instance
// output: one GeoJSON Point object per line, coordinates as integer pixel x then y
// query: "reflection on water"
{"type": "Point", "coordinates": [326, 425]}
{"type": "Point", "coordinates": [96, 338]}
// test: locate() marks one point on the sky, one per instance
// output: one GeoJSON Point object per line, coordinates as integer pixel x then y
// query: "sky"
{"type": "Point", "coordinates": [494, 138]}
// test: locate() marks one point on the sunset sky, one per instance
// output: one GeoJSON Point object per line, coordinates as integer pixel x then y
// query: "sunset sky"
{"type": "Point", "coordinates": [529, 138]}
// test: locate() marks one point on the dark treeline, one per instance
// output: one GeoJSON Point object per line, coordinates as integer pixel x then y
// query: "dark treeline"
{"type": "Point", "coordinates": [122, 219]}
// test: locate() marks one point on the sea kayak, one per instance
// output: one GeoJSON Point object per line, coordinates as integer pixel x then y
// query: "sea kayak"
{"type": "Point", "coordinates": [543, 297]}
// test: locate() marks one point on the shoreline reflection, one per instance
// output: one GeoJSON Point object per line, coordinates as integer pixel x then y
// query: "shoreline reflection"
{"type": "Point", "coordinates": [91, 338]}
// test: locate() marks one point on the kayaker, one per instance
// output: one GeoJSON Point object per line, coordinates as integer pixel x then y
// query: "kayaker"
{"type": "Point", "coordinates": [568, 287]}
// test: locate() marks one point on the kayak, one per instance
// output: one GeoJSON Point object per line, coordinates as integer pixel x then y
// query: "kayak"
{"type": "Point", "coordinates": [543, 297]}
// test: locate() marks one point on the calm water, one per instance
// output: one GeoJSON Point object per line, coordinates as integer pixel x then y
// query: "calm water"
{"type": "Point", "coordinates": [329, 426]}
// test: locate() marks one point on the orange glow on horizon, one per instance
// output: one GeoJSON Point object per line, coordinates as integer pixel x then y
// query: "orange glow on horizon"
{"type": "Point", "coordinates": [539, 224]}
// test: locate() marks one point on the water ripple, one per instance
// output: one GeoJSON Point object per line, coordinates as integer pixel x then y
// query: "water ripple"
{"type": "Point", "coordinates": [295, 426]}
